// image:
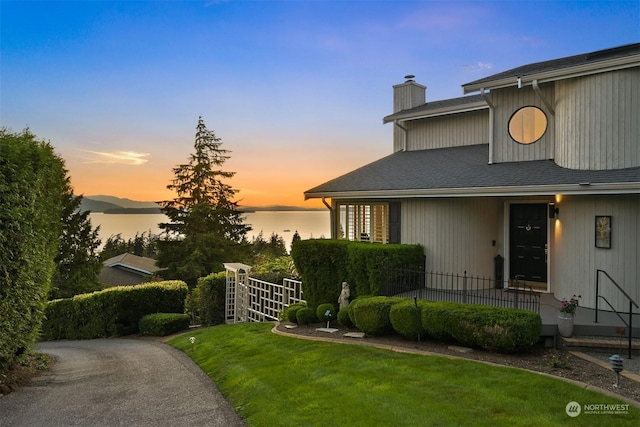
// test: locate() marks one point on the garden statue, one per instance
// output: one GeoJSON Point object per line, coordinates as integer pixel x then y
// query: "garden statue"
{"type": "Point", "coordinates": [343, 299]}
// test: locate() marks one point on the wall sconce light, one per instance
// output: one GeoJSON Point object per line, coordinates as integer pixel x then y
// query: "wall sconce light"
{"type": "Point", "coordinates": [553, 211]}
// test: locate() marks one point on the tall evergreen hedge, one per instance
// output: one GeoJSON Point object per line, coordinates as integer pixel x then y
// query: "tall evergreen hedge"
{"type": "Point", "coordinates": [32, 181]}
{"type": "Point", "coordinates": [324, 264]}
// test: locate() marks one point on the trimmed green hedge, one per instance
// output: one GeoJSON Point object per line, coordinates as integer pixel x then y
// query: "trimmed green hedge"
{"type": "Point", "coordinates": [503, 330]}
{"type": "Point", "coordinates": [111, 312]}
{"type": "Point", "coordinates": [371, 315]}
{"type": "Point", "coordinates": [322, 309]}
{"type": "Point", "coordinates": [32, 183]}
{"type": "Point", "coordinates": [291, 312]}
{"type": "Point", "coordinates": [210, 294]}
{"type": "Point", "coordinates": [162, 324]}
{"type": "Point", "coordinates": [343, 317]}
{"type": "Point", "coordinates": [324, 264]}
{"type": "Point", "coordinates": [306, 316]}
{"type": "Point", "coordinates": [406, 319]}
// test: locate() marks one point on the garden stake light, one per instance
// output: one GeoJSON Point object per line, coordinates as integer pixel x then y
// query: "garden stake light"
{"type": "Point", "coordinates": [193, 341]}
{"type": "Point", "coordinates": [616, 364]}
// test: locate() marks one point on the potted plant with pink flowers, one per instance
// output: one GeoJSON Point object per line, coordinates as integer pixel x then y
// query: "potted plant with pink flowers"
{"type": "Point", "coordinates": [565, 316]}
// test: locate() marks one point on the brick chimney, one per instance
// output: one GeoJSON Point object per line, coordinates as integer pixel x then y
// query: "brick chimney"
{"type": "Point", "coordinates": [408, 95]}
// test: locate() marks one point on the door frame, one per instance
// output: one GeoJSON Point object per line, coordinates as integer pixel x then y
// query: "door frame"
{"type": "Point", "coordinates": [507, 234]}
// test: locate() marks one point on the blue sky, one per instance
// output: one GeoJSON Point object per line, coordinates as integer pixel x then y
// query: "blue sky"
{"type": "Point", "coordinates": [295, 89]}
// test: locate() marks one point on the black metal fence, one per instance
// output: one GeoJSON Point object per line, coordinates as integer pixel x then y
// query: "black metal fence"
{"type": "Point", "coordinates": [456, 288]}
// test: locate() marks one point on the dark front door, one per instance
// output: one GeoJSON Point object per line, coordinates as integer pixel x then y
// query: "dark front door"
{"type": "Point", "coordinates": [528, 242]}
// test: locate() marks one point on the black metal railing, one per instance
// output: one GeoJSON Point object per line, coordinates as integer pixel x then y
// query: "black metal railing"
{"type": "Point", "coordinates": [631, 304]}
{"type": "Point", "coordinates": [464, 289]}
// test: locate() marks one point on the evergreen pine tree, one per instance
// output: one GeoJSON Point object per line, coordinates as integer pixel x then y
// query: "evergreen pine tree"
{"type": "Point", "coordinates": [78, 260]}
{"type": "Point", "coordinates": [205, 228]}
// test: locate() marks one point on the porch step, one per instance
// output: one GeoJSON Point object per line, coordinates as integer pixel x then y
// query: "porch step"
{"type": "Point", "coordinates": [594, 342]}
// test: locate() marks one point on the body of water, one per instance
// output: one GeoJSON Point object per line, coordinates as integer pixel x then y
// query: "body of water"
{"type": "Point", "coordinates": [309, 224]}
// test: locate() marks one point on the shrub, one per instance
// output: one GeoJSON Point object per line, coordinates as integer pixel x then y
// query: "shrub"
{"type": "Point", "coordinates": [210, 292]}
{"type": "Point", "coordinates": [322, 309]}
{"type": "Point", "coordinates": [322, 264]}
{"type": "Point", "coordinates": [366, 260]}
{"type": "Point", "coordinates": [113, 311]}
{"type": "Point", "coordinates": [436, 318]}
{"type": "Point", "coordinates": [497, 329]}
{"type": "Point", "coordinates": [371, 315]}
{"type": "Point", "coordinates": [291, 312]}
{"type": "Point", "coordinates": [161, 324]}
{"type": "Point", "coordinates": [405, 319]}
{"type": "Point", "coordinates": [306, 316]}
{"type": "Point", "coordinates": [32, 187]}
{"type": "Point", "coordinates": [343, 317]}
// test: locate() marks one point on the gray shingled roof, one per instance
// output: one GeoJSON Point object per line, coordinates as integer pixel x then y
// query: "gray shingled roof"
{"type": "Point", "coordinates": [560, 63]}
{"type": "Point", "coordinates": [464, 171]}
{"type": "Point", "coordinates": [452, 104]}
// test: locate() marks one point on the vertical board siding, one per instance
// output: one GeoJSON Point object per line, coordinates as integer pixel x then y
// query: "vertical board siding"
{"type": "Point", "coordinates": [448, 131]}
{"type": "Point", "coordinates": [597, 125]}
{"type": "Point", "coordinates": [457, 234]}
{"type": "Point", "coordinates": [575, 257]}
{"type": "Point", "coordinates": [507, 102]}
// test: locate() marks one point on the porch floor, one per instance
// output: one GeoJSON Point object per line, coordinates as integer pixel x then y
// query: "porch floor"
{"type": "Point", "coordinates": [609, 324]}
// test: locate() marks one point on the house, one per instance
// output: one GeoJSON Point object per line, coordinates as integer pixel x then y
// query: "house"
{"type": "Point", "coordinates": [539, 164]}
{"type": "Point", "coordinates": [126, 270]}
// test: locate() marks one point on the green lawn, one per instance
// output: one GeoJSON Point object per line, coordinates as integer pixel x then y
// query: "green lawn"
{"type": "Point", "coordinates": [273, 380]}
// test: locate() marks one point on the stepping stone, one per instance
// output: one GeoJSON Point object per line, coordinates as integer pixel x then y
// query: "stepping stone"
{"type": "Point", "coordinates": [460, 349]}
{"type": "Point", "coordinates": [354, 335]}
{"type": "Point", "coordinates": [329, 330]}
{"type": "Point", "coordinates": [290, 326]}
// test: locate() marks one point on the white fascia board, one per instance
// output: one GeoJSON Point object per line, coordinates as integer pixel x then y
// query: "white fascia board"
{"type": "Point", "coordinates": [130, 267]}
{"type": "Point", "coordinates": [560, 74]}
{"type": "Point", "coordinates": [435, 113]}
{"type": "Point", "coordinates": [534, 190]}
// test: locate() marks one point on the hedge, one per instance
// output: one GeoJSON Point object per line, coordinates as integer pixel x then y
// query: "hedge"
{"type": "Point", "coordinates": [503, 330]}
{"type": "Point", "coordinates": [210, 295]}
{"type": "Point", "coordinates": [324, 264]}
{"type": "Point", "coordinates": [371, 314]}
{"type": "Point", "coordinates": [406, 320]}
{"type": "Point", "coordinates": [32, 183]}
{"type": "Point", "coordinates": [367, 259]}
{"type": "Point", "coordinates": [162, 324]}
{"type": "Point", "coordinates": [111, 312]}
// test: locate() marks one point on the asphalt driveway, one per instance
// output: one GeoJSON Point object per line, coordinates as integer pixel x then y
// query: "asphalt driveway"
{"type": "Point", "coordinates": [117, 382]}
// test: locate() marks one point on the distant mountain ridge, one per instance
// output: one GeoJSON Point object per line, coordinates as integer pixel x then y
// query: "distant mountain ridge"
{"type": "Point", "coordinates": [117, 205]}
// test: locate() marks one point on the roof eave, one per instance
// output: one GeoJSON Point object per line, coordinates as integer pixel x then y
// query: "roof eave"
{"type": "Point", "coordinates": [532, 190]}
{"type": "Point", "coordinates": [559, 74]}
{"type": "Point", "coordinates": [434, 113]}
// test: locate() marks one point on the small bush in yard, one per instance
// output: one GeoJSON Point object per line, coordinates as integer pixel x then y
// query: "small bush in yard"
{"type": "Point", "coordinates": [343, 317]}
{"type": "Point", "coordinates": [371, 315]}
{"type": "Point", "coordinates": [161, 324]}
{"type": "Point", "coordinates": [322, 309]}
{"type": "Point", "coordinates": [291, 312]}
{"type": "Point", "coordinates": [405, 319]}
{"type": "Point", "coordinates": [306, 316]}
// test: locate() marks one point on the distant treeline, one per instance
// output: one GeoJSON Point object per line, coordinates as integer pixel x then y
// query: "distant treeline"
{"type": "Point", "coordinates": [132, 211]}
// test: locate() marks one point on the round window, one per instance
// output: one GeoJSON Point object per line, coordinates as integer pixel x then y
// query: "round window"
{"type": "Point", "coordinates": [527, 125]}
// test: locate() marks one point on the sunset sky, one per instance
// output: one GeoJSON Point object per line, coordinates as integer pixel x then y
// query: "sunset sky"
{"type": "Point", "coordinates": [296, 90]}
